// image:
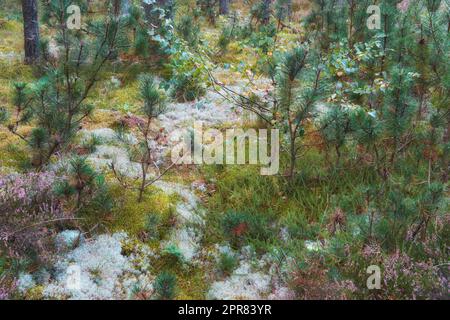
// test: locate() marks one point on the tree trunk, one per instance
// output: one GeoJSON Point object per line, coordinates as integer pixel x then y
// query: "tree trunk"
{"type": "Point", "coordinates": [30, 30]}
{"type": "Point", "coordinates": [293, 156]}
{"type": "Point", "coordinates": [143, 182]}
{"type": "Point", "coordinates": [89, 6]}
{"type": "Point", "coordinates": [267, 11]}
{"type": "Point", "coordinates": [289, 10]}
{"type": "Point", "coordinates": [224, 7]}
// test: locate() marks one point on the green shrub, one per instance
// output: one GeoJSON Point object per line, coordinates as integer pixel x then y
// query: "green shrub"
{"type": "Point", "coordinates": [188, 80]}
{"type": "Point", "coordinates": [186, 87]}
{"type": "Point", "coordinates": [264, 38]}
{"type": "Point", "coordinates": [187, 73]}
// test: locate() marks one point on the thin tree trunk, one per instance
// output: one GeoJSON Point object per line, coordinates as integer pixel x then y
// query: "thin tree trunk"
{"type": "Point", "coordinates": [143, 181]}
{"type": "Point", "coordinates": [30, 30]}
{"type": "Point", "coordinates": [289, 10]}
{"type": "Point", "coordinates": [267, 11]}
{"type": "Point", "coordinates": [350, 29]}
{"type": "Point", "coordinates": [293, 158]}
{"type": "Point", "coordinates": [224, 7]}
{"type": "Point", "coordinates": [89, 5]}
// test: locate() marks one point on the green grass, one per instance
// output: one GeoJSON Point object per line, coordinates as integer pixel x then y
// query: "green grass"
{"type": "Point", "coordinates": [272, 203]}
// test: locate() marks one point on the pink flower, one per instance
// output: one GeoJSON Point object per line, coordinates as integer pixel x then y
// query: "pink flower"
{"type": "Point", "coordinates": [21, 193]}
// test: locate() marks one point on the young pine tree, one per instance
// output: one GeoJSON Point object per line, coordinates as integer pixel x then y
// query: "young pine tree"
{"type": "Point", "coordinates": [165, 286]}
{"type": "Point", "coordinates": [283, 11]}
{"type": "Point", "coordinates": [298, 89]}
{"type": "Point", "coordinates": [71, 63]}
{"type": "Point", "coordinates": [335, 128]}
{"type": "Point", "coordinates": [261, 11]}
{"type": "Point", "coordinates": [154, 104]}
{"type": "Point", "coordinates": [83, 189]}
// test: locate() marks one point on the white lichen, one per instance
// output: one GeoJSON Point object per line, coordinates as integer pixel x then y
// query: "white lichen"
{"type": "Point", "coordinates": [97, 270]}
{"type": "Point", "coordinates": [68, 240]}
{"type": "Point", "coordinates": [244, 283]}
{"type": "Point", "coordinates": [25, 282]}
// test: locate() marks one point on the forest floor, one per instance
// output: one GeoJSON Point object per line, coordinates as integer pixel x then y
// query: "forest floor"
{"type": "Point", "coordinates": [363, 178]}
{"type": "Point", "coordinates": [115, 264]}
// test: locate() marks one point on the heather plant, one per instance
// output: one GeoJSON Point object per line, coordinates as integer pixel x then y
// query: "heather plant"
{"type": "Point", "coordinates": [309, 281]}
{"type": "Point", "coordinates": [403, 276]}
{"type": "Point", "coordinates": [30, 214]}
{"type": "Point", "coordinates": [7, 288]}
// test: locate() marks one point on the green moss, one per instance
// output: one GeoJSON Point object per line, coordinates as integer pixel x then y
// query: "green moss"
{"type": "Point", "coordinates": [125, 99]}
{"type": "Point", "coordinates": [14, 155]}
{"type": "Point", "coordinates": [131, 216]}
{"type": "Point", "coordinates": [192, 284]}
{"type": "Point", "coordinates": [35, 293]}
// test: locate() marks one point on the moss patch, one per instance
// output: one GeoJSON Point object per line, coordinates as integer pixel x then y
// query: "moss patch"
{"type": "Point", "coordinates": [131, 216]}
